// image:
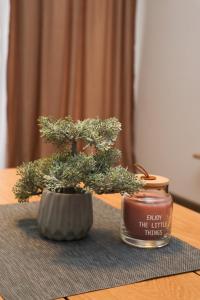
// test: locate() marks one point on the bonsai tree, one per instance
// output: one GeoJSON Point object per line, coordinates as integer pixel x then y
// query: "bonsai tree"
{"type": "Point", "coordinates": [85, 160]}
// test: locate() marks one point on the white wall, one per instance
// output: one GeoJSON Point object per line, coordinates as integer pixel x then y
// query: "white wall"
{"type": "Point", "coordinates": [4, 30]}
{"type": "Point", "coordinates": [168, 92]}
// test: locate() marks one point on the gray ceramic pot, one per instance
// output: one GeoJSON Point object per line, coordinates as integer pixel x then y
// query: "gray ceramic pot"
{"type": "Point", "coordinates": [65, 216]}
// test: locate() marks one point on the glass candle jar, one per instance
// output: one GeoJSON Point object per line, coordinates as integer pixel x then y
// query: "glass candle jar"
{"type": "Point", "coordinates": [146, 216]}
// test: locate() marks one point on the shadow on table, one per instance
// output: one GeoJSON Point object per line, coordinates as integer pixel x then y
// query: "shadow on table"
{"type": "Point", "coordinates": [102, 248]}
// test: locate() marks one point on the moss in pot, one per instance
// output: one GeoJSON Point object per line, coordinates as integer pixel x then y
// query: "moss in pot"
{"type": "Point", "coordinates": [85, 162]}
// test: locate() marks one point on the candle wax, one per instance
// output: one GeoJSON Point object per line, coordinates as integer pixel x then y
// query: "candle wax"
{"type": "Point", "coordinates": [147, 215]}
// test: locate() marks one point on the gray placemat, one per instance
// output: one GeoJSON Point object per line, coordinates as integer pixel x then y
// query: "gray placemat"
{"type": "Point", "coordinates": [34, 268]}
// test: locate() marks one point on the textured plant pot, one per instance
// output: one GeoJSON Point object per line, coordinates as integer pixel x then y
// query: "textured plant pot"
{"type": "Point", "coordinates": [65, 216]}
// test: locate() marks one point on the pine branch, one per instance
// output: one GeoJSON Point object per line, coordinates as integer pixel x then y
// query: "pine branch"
{"type": "Point", "coordinates": [65, 170]}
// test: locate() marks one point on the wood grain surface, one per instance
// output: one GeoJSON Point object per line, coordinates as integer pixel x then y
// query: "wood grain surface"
{"type": "Point", "coordinates": [186, 226]}
{"type": "Point", "coordinates": [179, 287]}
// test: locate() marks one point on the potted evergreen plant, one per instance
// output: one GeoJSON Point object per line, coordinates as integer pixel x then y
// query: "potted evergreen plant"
{"type": "Point", "coordinates": [85, 162]}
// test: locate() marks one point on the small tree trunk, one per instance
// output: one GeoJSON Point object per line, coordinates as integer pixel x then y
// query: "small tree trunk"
{"type": "Point", "coordinates": [74, 148]}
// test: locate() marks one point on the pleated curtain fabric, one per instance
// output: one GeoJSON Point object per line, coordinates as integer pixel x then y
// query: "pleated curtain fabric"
{"type": "Point", "coordinates": [69, 57]}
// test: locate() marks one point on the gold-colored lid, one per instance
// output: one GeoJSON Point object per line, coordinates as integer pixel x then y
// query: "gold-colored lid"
{"type": "Point", "coordinates": [153, 181]}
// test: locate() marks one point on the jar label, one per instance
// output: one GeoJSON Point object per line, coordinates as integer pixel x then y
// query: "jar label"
{"type": "Point", "coordinates": [146, 221]}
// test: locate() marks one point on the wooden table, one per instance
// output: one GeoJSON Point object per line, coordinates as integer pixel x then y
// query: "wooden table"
{"type": "Point", "coordinates": [186, 226]}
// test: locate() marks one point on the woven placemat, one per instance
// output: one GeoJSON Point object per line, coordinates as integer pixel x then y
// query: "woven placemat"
{"type": "Point", "coordinates": [34, 268]}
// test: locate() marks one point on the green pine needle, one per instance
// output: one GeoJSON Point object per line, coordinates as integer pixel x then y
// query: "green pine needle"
{"type": "Point", "coordinates": [73, 171]}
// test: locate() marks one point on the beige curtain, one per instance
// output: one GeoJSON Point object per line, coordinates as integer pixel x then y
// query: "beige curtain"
{"type": "Point", "coordinates": [69, 57]}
